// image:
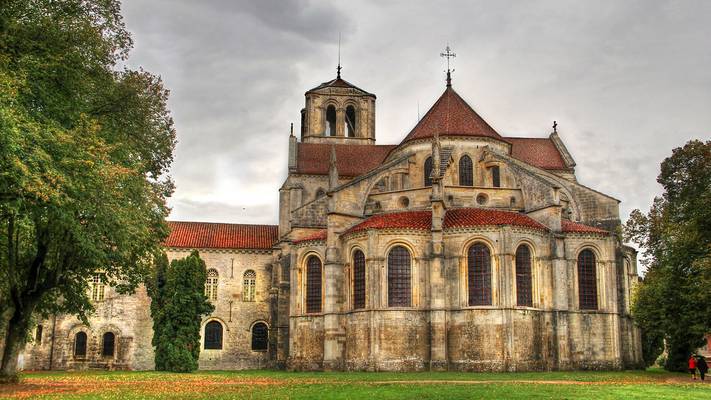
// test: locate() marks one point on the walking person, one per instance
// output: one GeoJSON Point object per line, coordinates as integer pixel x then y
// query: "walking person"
{"type": "Point", "coordinates": [692, 366]}
{"type": "Point", "coordinates": [702, 366]}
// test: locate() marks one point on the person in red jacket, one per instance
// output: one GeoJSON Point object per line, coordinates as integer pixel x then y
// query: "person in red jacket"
{"type": "Point", "coordinates": [692, 366]}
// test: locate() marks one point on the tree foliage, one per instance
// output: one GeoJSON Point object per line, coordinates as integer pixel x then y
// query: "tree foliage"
{"type": "Point", "coordinates": [673, 303]}
{"type": "Point", "coordinates": [84, 152]}
{"type": "Point", "coordinates": [178, 303]}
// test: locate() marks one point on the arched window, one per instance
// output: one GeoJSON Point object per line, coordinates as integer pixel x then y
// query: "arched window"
{"type": "Point", "coordinates": [350, 121]}
{"type": "Point", "coordinates": [249, 285]}
{"type": "Point", "coordinates": [330, 121]}
{"type": "Point", "coordinates": [399, 277]}
{"type": "Point", "coordinates": [587, 280]}
{"type": "Point", "coordinates": [38, 335]}
{"type": "Point", "coordinates": [260, 337]}
{"type": "Point", "coordinates": [313, 285]}
{"type": "Point", "coordinates": [213, 336]}
{"type": "Point", "coordinates": [358, 279]}
{"type": "Point", "coordinates": [495, 176]}
{"type": "Point", "coordinates": [80, 344]}
{"type": "Point", "coordinates": [211, 284]}
{"type": "Point", "coordinates": [97, 288]}
{"type": "Point", "coordinates": [108, 344]}
{"type": "Point", "coordinates": [428, 171]}
{"type": "Point", "coordinates": [466, 171]}
{"type": "Point", "coordinates": [524, 296]}
{"type": "Point", "coordinates": [479, 275]}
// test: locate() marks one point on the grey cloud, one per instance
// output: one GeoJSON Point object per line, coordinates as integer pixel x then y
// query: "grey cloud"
{"type": "Point", "coordinates": [627, 82]}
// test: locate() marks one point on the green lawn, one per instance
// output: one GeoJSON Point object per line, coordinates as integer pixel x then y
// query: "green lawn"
{"type": "Point", "coordinates": [651, 384]}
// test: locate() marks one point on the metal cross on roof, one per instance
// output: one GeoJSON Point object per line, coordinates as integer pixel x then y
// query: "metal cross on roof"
{"type": "Point", "coordinates": [448, 54]}
{"type": "Point", "coordinates": [555, 126]}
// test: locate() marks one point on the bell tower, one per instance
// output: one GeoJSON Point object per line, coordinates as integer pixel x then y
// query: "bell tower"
{"type": "Point", "coordinates": [338, 112]}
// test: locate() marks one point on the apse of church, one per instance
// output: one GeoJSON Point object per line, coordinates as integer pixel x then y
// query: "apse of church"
{"type": "Point", "coordinates": [455, 249]}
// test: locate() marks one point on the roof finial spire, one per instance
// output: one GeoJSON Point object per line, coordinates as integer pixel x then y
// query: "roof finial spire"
{"type": "Point", "coordinates": [555, 126]}
{"type": "Point", "coordinates": [338, 69]}
{"type": "Point", "coordinates": [448, 54]}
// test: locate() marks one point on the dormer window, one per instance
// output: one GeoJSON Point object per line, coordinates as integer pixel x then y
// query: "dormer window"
{"type": "Point", "coordinates": [350, 121]}
{"type": "Point", "coordinates": [330, 121]}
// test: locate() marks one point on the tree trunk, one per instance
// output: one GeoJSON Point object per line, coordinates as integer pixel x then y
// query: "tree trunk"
{"type": "Point", "coordinates": [15, 340]}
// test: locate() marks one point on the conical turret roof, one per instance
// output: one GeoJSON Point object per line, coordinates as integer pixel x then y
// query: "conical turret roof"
{"type": "Point", "coordinates": [451, 116]}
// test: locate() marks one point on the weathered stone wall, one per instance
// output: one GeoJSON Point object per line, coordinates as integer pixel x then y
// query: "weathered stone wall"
{"type": "Point", "coordinates": [236, 315]}
{"type": "Point", "coordinates": [128, 317]}
{"type": "Point", "coordinates": [553, 334]}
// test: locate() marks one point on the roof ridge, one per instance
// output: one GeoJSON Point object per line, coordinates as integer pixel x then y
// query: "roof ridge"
{"type": "Point", "coordinates": [220, 223]}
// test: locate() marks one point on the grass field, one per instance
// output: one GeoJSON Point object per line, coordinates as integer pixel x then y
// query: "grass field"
{"type": "Point", "coordinates": [651, 384]}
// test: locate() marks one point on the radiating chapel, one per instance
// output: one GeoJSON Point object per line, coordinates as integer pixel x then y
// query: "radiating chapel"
{"type": "Point", "coordinates": [455, 249]}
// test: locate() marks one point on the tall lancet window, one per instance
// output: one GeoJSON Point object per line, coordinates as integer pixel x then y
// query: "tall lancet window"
{"type": "Point", "coordinates": [479, 275]}
{"type": "Point", "coordinates": [358, 279]}
{"type": "Point", "coordinates": [249, 286]}
{"type": "Point", "coordinates": [399, 277]}
{"type": "Point", "coordinates": [587, 280]}
{"type": "Point", "coordinates": [211, 284]}
{"type": "Point", "coordinates": [428, 171]}
{"type": "Point", "coordinates": [495, 176]}
{"type": "Point", "coordinates": [330, 121]}
{"type": "Point", "coordinates": [313, 285]}
{"type": "Point", "coordinates": [350, 121]}
{"type": "Point", "coordinates": [466, 171]}
{"type": "Point", "coordinates": [524, 295]}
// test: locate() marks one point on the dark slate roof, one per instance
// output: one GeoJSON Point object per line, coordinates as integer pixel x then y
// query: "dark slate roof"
{"type": "Point", "coordinates": [208, 235]}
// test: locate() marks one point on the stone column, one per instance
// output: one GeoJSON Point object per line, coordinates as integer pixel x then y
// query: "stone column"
{"type": "Point", "coordinates": [437, 295]}
{"type": "Point", "coordinates": [334, 331]}
{"type": "Point", "coordinates": [562, 298]}
{"type": "Point", "coordinates": [340, 122]}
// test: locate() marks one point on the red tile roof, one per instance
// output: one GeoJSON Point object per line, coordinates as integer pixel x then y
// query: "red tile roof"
{"type": "Point", "coordinates": [398, 220]}
{"type": "Point", "coordinates": [318, 235]}
{"type": "Point", "coordinates": [207, 235]}
{"type": "Point", "coordinates": [575, 227]}
{"type": "Point", "coordinates": [351, 160]}
{"type": "Point", "coordinates": [466, 217]}
{"type": "Point", "coordinates": [539, 152]}
{"type": "Point", "coordinates": [451, 116]}
{"type": "Point", "coordinates": [454, 218]}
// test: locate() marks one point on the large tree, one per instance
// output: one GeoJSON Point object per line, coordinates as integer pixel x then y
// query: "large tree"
{"type": "Point", "coordinates": [673, 304]}
{"type": "Point", "coordinates": [85, 146]}
{"type": "Point", "coordinates": [178, 303]}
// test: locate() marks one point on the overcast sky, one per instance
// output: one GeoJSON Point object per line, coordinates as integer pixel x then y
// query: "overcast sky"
{"type": "Point", "coordinates": [627, 82]}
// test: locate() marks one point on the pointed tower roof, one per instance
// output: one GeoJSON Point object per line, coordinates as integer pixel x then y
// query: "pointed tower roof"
{"type": "Point", "coordinates": [451, 116]}
{"type": "Point", "coordinates": [339, 83]}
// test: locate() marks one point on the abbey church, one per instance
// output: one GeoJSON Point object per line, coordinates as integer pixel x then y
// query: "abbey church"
{"type": "Point", "coordinates": [455, 249]}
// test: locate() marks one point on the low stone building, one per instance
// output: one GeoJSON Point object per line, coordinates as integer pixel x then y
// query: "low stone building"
{"type": "Point", "coordinates": [456, 249]}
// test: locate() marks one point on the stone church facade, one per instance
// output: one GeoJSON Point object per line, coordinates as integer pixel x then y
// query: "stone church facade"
{"type": "Point", "coordinates": [456, 249]}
